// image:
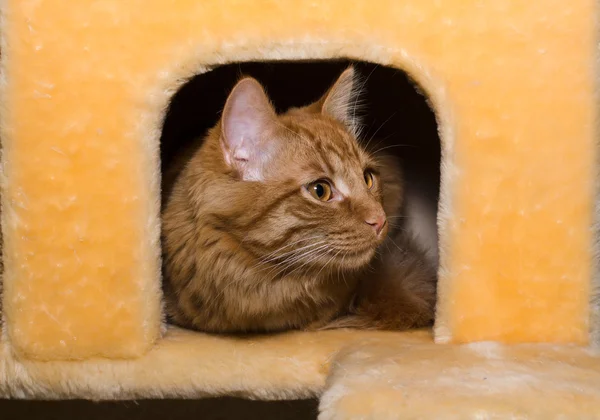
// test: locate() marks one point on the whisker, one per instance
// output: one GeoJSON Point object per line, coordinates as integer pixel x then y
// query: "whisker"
{"type": "Point", "coordinates": [382, 140]}
{"type": "Point", "coordinates": [290, 244]}
{"type": "Point", "coordinates": [284, 265]}
{"type": "Point", "coordinates": [305, 254]}
{"type": "Point", "coordinates": [313, 259]}
{"type": "Point", "coordinates": [280, 267]}
{"type": "Point", "coordinates": [328, 262]}
{"type": "Point", "coordinates": [393, 145]}
{"type": "Point", "coordinates": [380, 127]}
{"type": "Point", "coordinates": [387, 245]}
{"type": "Point", "coordinates": [394, 224]}
{"type": "Point", "coordinates": [279, 256]}
{"type": "Point", "coordinates": [286, 254]}
{"type": "Point", "coordinates": [357, 96]}
{"type": "Point", "coordinates": [343, 271]}
{"type": "Point", "coordinates": [394, 242]}
{"type": "Point", "coordinates": [272, 255]}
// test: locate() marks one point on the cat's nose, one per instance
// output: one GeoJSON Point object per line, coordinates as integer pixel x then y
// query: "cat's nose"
{"type": "Point", "coordinates": [377, 221]}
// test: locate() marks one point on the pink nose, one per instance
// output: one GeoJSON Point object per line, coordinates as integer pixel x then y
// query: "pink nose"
{"type": "Point", "coordinates": [377, 222]}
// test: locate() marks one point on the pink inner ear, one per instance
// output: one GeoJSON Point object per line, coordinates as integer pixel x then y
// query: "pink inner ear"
{"type": "Point", "coordinates": [247, 116]}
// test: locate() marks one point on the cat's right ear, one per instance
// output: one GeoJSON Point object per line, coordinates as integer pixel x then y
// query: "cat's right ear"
{"type": "Point", "coordinates": [248, 117]}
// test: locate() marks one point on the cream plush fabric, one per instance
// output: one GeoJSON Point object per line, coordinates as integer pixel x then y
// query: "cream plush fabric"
{"type": "Point", "coordinates": [84, 89]}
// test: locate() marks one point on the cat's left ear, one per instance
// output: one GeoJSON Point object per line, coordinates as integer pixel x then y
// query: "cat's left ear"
{"type": "Point", "coordinates": [341, 99]}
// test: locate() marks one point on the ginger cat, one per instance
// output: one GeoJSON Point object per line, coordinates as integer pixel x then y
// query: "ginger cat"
{"type": "Point", "coordinates": [277, 222]}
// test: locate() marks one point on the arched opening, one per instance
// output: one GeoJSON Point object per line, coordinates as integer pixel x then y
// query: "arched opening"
{"type": "Point", "coordinates": [395, 115]}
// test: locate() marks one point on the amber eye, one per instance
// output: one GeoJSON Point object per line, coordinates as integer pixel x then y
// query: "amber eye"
{"type": "Point", "coordinates": [369, 179]}
{"type": "Point", "coordinates": [321, 190]}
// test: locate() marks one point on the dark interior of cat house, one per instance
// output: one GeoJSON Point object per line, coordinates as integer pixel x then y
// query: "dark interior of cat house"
{"type": "Point", "coordinates": [394, 114]}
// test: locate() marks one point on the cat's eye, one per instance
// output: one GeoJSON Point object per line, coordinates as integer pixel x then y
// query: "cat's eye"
{"type": "Point", "coordinates": [321, 190]}
{"type": "Point", "coordinates": [369, 179]}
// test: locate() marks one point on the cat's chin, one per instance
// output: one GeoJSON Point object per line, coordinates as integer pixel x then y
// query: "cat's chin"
{"type": "Point", "coordinates": [357, 260]}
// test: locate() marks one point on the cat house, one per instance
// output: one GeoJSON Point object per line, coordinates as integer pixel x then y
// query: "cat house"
{"type": "Point", "coordinates": [85, 89]}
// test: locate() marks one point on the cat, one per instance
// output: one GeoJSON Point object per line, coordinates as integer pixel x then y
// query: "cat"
{"type": "Point", "coordinates": [276, 222]}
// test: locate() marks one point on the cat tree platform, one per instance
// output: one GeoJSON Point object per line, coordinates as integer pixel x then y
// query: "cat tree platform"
{"type": "Point", "coordinates": [513, 85]}
{"type": "Point", "coordinates": [356, 374]}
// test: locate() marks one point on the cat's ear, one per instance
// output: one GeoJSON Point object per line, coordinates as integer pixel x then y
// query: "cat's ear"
{"type": "Point", "coordinates": [248, 117]}
{"type": "Point", "coordinates": [341, 99]}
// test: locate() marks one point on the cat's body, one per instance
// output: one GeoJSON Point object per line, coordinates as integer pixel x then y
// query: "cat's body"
{"type": "Point", "coordinates": [274, 221]}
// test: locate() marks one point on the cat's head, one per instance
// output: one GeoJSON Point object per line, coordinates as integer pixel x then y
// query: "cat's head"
{"type": "Point", "coordinates": [320, 200]}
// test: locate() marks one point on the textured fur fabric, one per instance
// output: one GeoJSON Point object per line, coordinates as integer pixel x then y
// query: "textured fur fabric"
{"type": "Point", "coordinates": [360, 375]}
{"type": "Point", "coordinates": [84, 90]}
{"type": "Point", "coordinates": [384, 378]}
{"type": "Point", "coordinates": [186, 365]}
{"type": "Point", "coordinates": [80, 147]}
